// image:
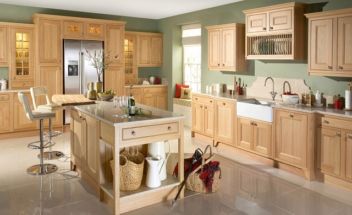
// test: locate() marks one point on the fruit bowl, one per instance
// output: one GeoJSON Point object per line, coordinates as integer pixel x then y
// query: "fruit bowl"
{"type": "Point", "coordinates": [291, 99]}
{"type": "Point", "coordinates": [106, 96]}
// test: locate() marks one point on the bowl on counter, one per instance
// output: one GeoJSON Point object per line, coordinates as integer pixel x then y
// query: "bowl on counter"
{"type": "Point", "coordinates": [290, 99]}
{"type": "Point", "coordinates": [105, 97]}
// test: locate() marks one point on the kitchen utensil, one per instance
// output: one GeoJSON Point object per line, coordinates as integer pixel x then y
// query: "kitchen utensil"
{"type": "Point", "coordinates": [157, 149]}
{"type": "Point", "coordinates": [153, 177]}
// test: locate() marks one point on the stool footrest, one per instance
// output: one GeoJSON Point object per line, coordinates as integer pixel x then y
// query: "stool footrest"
{"type": "Point", "coordinates": [52, 134]}
{"type": "Point", "coordinates": [42, 169]}
{"type": "Point", "coordinates": [46, 145]}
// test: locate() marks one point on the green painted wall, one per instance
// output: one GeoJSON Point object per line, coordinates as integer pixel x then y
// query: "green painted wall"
{"type": "Point", "coordinates": [232, 13]}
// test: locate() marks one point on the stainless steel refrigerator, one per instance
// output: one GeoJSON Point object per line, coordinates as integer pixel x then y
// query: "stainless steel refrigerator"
{"type": "Point", "coordinates": [78, 71]}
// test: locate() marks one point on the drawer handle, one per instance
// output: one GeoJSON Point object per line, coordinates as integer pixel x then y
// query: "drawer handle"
{"type": "Point", "coordinates": [133, 133]}
{"type": "Point", "coordinates": [326, 122]}
{"type": "Point", "coordinates": [264, 29]}
{"type": "Point", "coordinates": [329, 67]}
{"type": "Point", "coordinates": [291, 115]}
{"type": "Point", "coordinates": [224, 103]}
{"type": "Point", "coordinates": [223, 64]}
{"type": "Point", "coordinates": [211, 101]}
{"type": "Point", "coordinates": [338, 134]}
{"type": "Point", "coordinates": [169, 128]}
{"type": "Point", "coordinates": [253, 123]}
{"type": "Point", "coordinates": [340, 67]}
{"type": "Point", "coordinates": [218, 64]}
{"type": "Point", "coordinates": [271, 28]}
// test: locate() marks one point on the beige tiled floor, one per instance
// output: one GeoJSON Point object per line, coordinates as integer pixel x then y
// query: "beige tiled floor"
{"type": "Point", "coordinates": [272, 191]}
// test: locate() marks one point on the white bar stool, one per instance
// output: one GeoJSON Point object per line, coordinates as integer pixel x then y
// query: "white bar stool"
{"type": "Point", "coordinates": [49, 106]}
{"type": "Point", "coordinates": [39, 169]}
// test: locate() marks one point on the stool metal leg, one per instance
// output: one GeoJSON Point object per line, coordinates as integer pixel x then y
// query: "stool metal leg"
{"type": "Point", "coordinates": [41, 169]}
{"type": "Point", "coordinates": [51, 155]}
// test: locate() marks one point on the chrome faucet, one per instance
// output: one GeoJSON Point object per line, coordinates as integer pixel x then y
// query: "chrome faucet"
{"type": "Point", "coordinates": [284, 87]}
{"type": "Point", "coordinates": [273, 93]}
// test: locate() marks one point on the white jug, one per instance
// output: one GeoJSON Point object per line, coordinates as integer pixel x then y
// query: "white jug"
{"type": "Point", "coordinates": [153, 178]}
{"type": "Point", "coordinates": [157, 149]}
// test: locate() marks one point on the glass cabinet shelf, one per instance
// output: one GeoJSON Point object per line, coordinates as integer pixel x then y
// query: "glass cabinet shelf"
{"type": "Point", "coordinates": [22, 54]}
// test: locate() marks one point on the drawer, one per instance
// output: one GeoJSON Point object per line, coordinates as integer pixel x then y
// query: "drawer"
{"type": "Point", "coordinates": [155, 90]}
{"type": "Point", "coordinates": [148, 131]}
{"type": "Point", "coordinates": [4, 97]}
{"type": "Point", "coordinates": [204, 100]}
{"type": "Point", "coordinates": [336, 123]}
{"type": "Point", "coordinates": [22, 84]}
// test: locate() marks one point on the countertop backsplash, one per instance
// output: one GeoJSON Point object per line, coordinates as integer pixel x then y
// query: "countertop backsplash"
{"type": "Point", "coordinates": [4, 73]}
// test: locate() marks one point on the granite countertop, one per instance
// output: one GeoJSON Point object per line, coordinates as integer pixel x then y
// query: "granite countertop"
{"type": "Point", "coordinates": [278, 104]}
{"type": "Point", "coordinates": [145, 85]}
{"type": "Point", "coordinates": [106, 112]}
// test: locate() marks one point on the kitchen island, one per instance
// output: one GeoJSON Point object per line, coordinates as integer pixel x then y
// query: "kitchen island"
{"type": "Point", "coordinates": [100, 131]}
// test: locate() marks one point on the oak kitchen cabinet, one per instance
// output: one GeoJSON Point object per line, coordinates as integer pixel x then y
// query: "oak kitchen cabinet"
{"type": "Point", "coordinates": [330, 47]}
{"type": "Point", "coordinates": [130, 52]}
{"type": "Point", "coordinates": [203, 115]}
{"type": "Point", "coordinates": [336, 149]}
{"type": "Point", "coordinates": [226, 47]}
{"type": "Point", "coordinates": [276, 32]}
{"type": "Point", "coordinates": [22, 45]}
{"type": "Point", "coordinates": [6, 112]}
{"type": "Point", "coordinates": [225, 114]}
{"type": "Point", "coordinates": [254, 136]}
{"type": "Point", "coordinates": [150, 95]}
{"type": "Point", "coordinates": [149, 49]}
{"type": "Point", "coordinates": [295, 140]}
{"type": "Point", "coordinates": [4, 55]}
{"type": "Point", "coordinates": [114, 44]}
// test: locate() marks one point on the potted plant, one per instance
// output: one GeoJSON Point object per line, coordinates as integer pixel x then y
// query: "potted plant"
{"type": "Point", "coordinates": [100, 64]}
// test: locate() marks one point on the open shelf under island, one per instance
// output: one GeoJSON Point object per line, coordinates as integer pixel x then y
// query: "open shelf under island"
{"type": "Point", "coordinates": [100, 131]}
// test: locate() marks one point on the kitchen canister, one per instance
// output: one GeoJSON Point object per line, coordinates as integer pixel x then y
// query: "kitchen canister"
{"type": "Point", "coordinates": [348, 98]}
{"type": "Point", "coordinates": [157, 149]}
{"type": "Point", "coordinates": [153, 178]}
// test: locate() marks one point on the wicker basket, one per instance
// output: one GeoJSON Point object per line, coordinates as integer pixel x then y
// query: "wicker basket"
{"type": "Point", "coordinates": [131, 170]}
{"type": "Point", "coordinates": [194, 183]}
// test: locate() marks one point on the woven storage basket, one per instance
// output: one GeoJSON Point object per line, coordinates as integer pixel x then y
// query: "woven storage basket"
{"type": "Point", "coordinates": [194, 183]}
{"type": "Point", "coordinates": [131, 170]}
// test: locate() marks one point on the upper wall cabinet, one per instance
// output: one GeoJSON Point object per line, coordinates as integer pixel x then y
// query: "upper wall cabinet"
{"type": "Point", "coordinates": [114, 43]}
{"type": "Point", "coordinates": [3, 45]}
{"type": "Point", "coordinates": [275, 32]}
{"type": "Point", "coordinates": [226, 47]}
{"type": "Point", "coordinates": [73, 29]}
{"type": "Point", "coordinates": [330, 43]}
{"type": "Point", "coordinates": [49, 36]}
{"type": "Point", "coordinates": [149, 49]}
{"type": "Point", "coordinates": [22, 55]}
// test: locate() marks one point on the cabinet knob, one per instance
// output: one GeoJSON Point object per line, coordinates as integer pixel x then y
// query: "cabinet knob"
{"type": "Point", "coordinates": [201, 106]}
{"type": "Point", "coordinates": [329, 67]}
{"type": "Point", "coordinates": [326, 122]}
{"type": "Point", "coordinates": [133, 133]}
{"type": "Point", "coordinates": [168, 128]}
{"type": "Point", "coordinates": [211, 101]}
{"type": "Point", "coordinates": [264, 28]}
{"type": "Point", "coordinates": [223, 64]}
{"type": "Point", "coordinates": [340, 67]}
{"type": "Point", "coordinates": [116, 56]}
{"type": "Point", "coordinates": [205, 107]}
{"type": "Point", "coordinates": [291, 115]}
{"type": "Point", "coordinates": [338, 134]}
{"type": "Point", "coordinates": [224, 104]}
{"type": "Point", "coordinates": [218, 64]}
{"type": "Point", "coordinates": [271, 28]}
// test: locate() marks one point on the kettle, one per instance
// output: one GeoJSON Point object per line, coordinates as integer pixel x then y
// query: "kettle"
{"type": "Point", "coordinates": [157, 149]}
{"type": "Point", "coordinates": [153, 178]}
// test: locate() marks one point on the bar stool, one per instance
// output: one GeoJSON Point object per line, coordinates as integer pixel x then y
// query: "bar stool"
{"type": "Point", "coordinates": [49, 106]}
{"type": "Point", "coordinates": [39, 169]}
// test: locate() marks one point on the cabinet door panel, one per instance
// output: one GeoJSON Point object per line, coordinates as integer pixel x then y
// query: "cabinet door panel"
{"type": "Point", "coordinates": [73, 29]}
{"type": "Point", "coordinates": [228, 48]}
{"type": "Point", "coordinates": [321, 45]}
{"type": "Point", "coordinates": [114, 43]}
{"type": "Point", "coordinates": [144, 50]}
{"type": "Point", "coordinates": [78, 127]}
{"type": "Point", "coordinates": [114, 79]}
{"type": "Point", "coordinates": [50, 41]}
{"type": "Point", "coordinates": [92, 152]}
{"type": "Point", "coordinates": [209, 120]}
{"type": "Point", "coordinates": [161, 101]}
{"type": "Point", "coordinates": [262, 138]}
{"type": "Point", "coordinates": [214, 47]}
{"type": "Point", "coordinates": [3, 45]}
{"type": "Point", "coordinates": [280, 20]}
{"type": "Point", "coordinates": [156, 50]}
{"type": "Point", "coordinates": [225, 121]}
{"type": "Point", "coordinates": [51, 78]}
{"type": "Point", "coordinates": [331, 151]}
{"type": "Point", "coordinates": [257, 23]}
{"type": "Point", "coordinates": [94, 31]}
{"type": "Point", "coordinates": [349, 155]}
{"type": "Point", "coordinates": [149, 100]}
{"type": "Point", "coordinates": [245, 133]}
{"type": "Point", "coordinates": [6, 119]}
{"type": "Point", "coordinates": [197, 117]}
{"type": "Point", "coordinates": [344, 44]}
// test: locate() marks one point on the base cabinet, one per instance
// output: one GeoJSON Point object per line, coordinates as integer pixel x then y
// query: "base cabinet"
{"type": "Point", "coordinates": [225, 122]}
{"type": "Point", "coordinates": [203, 115]}
{"type": "Point", "coordinates": [349, 155]}
{"type": "Point", "coordinates": [6, 111]}
{"type": "Point", "coordinates": [254, 136]}
{"type": "Point", "coordinates": [153, 96]}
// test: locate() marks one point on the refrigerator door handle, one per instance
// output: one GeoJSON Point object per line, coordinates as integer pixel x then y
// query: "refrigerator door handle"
{"type": "Point", "coordinates": [80, 68]}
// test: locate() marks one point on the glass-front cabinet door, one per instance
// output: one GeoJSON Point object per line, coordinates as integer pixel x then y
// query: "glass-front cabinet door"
{"type": "Point", "coordinates": [22, 55]}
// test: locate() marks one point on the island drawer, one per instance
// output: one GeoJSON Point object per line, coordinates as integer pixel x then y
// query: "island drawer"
{"type": "Point", "coordinates": [336, 123]}
{"type": "Point", "coordinates": [148, 131]}
{"type": "Point", "coordinates": [204, 100]}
